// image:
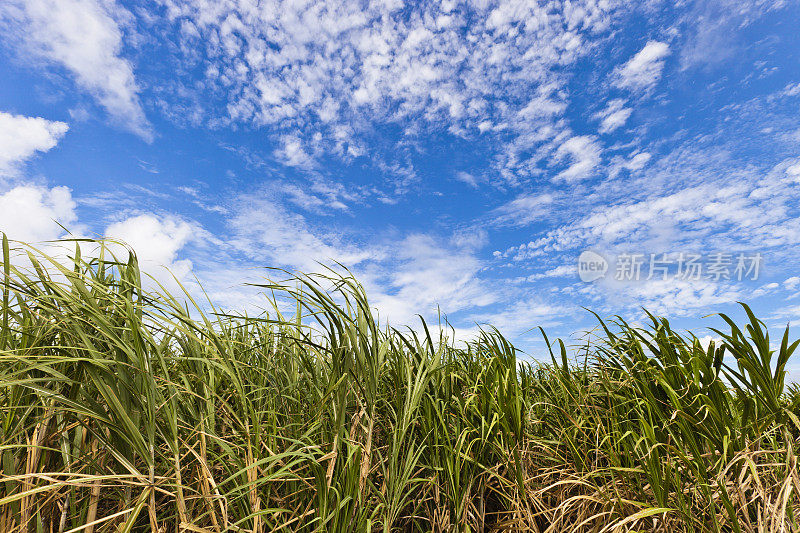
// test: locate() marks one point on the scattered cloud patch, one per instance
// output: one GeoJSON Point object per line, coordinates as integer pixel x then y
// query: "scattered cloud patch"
{"type": "Point", "coordinates": [730, 208]}
{"type": "Point", "coordinates": [470, 238]}
{"type": "Point", "coordinates": [264, 229]}
{"type": "Point", "coordinates": [637, 161]}
{"type": "Point", "coordinates": [423, 276]}
{"type": "Point", "coordinates": [714, 29]}
{"type": "Point", "coordinates": [469, 179]}
{"type": "Point", "coordinates": [634, 162]}
{"type": "Point", "coordinates": [412, 274]}
{"type": "Point", "coordinates": [793, 89]}
{"type": "Point", "coordinates": [325, 78]}
{"type": "Point", "coordinates": [671, 297]}
{"type": "Point", "coordinates": [583, 153]}
{"type": "Point", "coordinates": [561, 271]}
{"type": "Point", "coordinates": [292, 153]}
{"type": "Point", "coordinates": [643, 70]}
{"type": "Point", "coordinates": [523, 210]}
{"type": "Point", "coordinates": [525, 315]}
{"type": "Point", "coordinates": [614, 116]}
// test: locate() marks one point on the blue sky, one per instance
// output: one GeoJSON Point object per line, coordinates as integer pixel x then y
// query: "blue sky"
{"type": "Point", "coordinates": [452, 154]}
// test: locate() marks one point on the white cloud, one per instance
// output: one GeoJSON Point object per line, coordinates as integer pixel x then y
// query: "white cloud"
{"type": "Point", "coordinates": [21, 137]}
{"type": "Point", "coordinates": [265, 230]}
{"type": "Point", "coordinates": [157, 241]}
{"type": "Point", "coordinates": [637, 161]}
{"type": "Point", "coordinates": [561, 271]}
{"type": "Point", "coordinates": [713, 33]}
{"type": "Point", "coordinates": [692, 200]}
{"type": "Point", "coordinates": [706, 340]}
{"type": "Point", "coordinates": [614, 116]}
{"type": "Point", "coordinates": [793, 89]}
{"type": "Point", "coordinates": [83, 37]}
{"type": "Point", "coordinates": [408, 275]}
{"type": "Point", "coordinates": [470, 238]}
{"type": "Point", "coordinates": [668, 297]}
{"type": "Point", "coordinates": [717, 207]}
{"type": "Point", "coordinates": [422, 274]}
{"type": "Point", "coordinates": [32, 214]}
{"type": "Point", "coordinates": [309, 201]}
{"type": "Point", "coordinates": [583, 152]}
{"type": "Point", "coordinates": [644, 69]}
{"type": "Point", "coordinates": [466, 177]}
{"type": "Point", "coordinates": [35, 215]}
{"type": "Point", "coordinates": [524, 209]}
{"type": "Point", "coordinates": [292, 153]}
{"type": "Point", "coordinates": [634, 162]}
{"type": "Point", "coordinates": [767, 288]}
{"type": "Point", "coordinates": [526, 314]}
{"type": "Point", "coordinates": [790, 312]}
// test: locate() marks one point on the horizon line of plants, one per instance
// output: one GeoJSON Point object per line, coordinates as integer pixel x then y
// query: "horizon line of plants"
{"type": "Point", "coordinates": [125, 409]}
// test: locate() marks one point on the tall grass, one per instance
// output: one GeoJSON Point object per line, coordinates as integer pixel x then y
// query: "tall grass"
{"type": "Point", "coordinates": [131, 410]}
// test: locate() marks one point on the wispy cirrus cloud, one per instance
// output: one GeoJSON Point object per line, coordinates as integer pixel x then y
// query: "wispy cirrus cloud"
{"type": "Point", "coordinates": [524, 209]}
{"type": "Point", "coordinates": [721, 212]}
{"type": "Point", "coordinates": [83, 37]}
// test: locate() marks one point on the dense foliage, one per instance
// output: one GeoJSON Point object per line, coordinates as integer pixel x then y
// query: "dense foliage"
{"type": "Point", "coordinates": [131, 410]}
